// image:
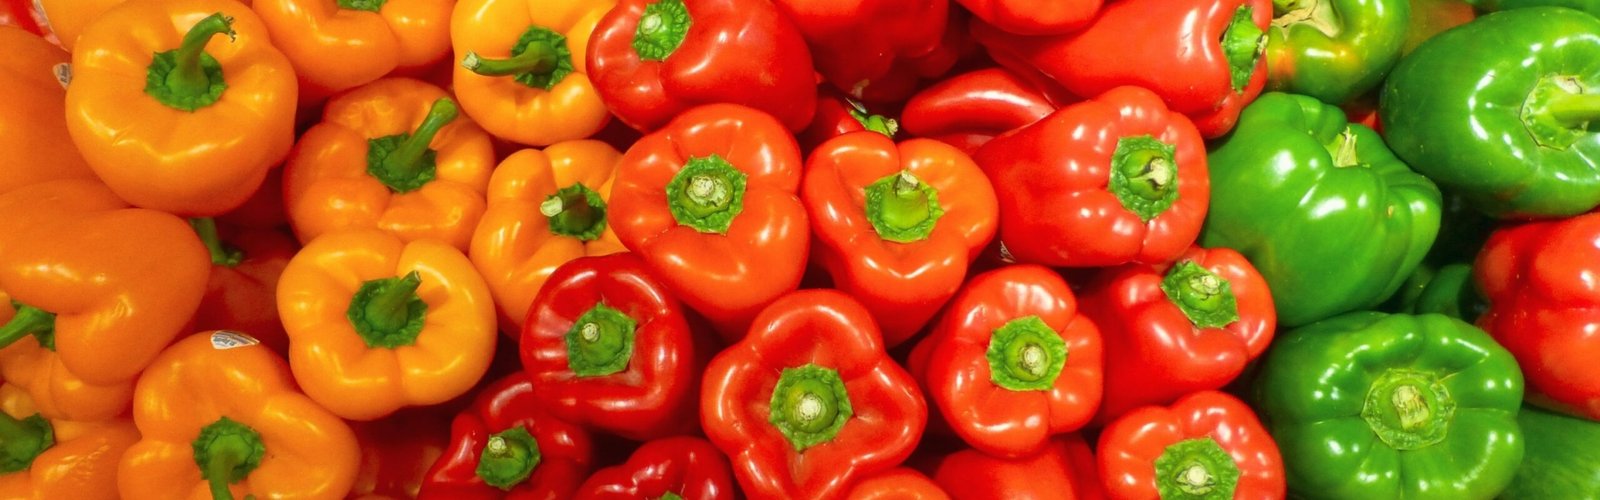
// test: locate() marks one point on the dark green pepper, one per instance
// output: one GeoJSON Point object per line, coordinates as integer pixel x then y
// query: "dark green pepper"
{"type": "Point", "coordinates": [1446, 290]}
{"type": "Point", "coordinates": [1590, 6]}
{"type": "Point", "coordinates": [1562, 459]}
{"type": "Point", "coordinates": [1334, 50]}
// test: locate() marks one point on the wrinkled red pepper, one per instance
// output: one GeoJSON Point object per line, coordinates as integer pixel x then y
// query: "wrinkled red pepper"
{"type": "Point", "coordinates": [689, 467]}
{"type": "Point", "coordinates": [1035, 17]}
{"type": "Point", "coordinates": [398, 450]}
{"type": "Point", "coordinates": [857, 42]}
{"type": "Point", "coordinates": [506, 445]}
{"type": "Point", "coordinates": [838, 114]}
{"type": "Point", "coordinates": [910, 73]}
{"type": "Point", "coordinates": [968, 110]}
{"type": "Point", "coordinates": [1206, 445]}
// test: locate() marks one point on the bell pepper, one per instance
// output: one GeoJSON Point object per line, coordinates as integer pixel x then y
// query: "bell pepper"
{"type": "Point", "coordinates": [1432, 17]}
{"type": "Point", "coordinates": [809, 403]}
{"type": "Point", "coordinates": [522, 71]}
{"type": "Point", "coordinates": [33, 127]}
{"type": "Point", "coordinates": [1334, 50]}
{"type": "Point", "coordinates": [675, 467]}
{"type": "Point", "coordinates": [1114, 179]}
{"type": "Point", "coordinates": [710, 202]}
{"type": "Point", "coordinates": [1521, 145]}
{"type": "Point", "coordinates": [393, 155]}
{"type": "Point", "coordinates": [1369, 405]}
{"type": "Point", "coordinates": [1206, 445]}
{"type": "Point", "coordinates": [1538, 280]}
{"type": "Point", "coordinates": [171, 125]}
{"type": "Point", "coordinates": [68, 19]}
{"type": "Point", "coordinates": [899, 483]}
{"type": "Point", "coordinates": [263, 210]}
{"type": "Point", "coordinates": [1447, 290]}
{"type": "Point", "coordinates": [219, 413]}
{"type": "Point", "coordinates": [376, 324]}
{"type": "Point", "coordinates": [1013, 362]}
{"type": "Point", "coordinates": [505, 445]}
{"type": "Point", "coordinates": [44, 458]}
{"type": "Point", "coordinates": [838, 114]}
{"type": "Point", "coordinates": [398, 450]}
{"type": "Point", "coordinates": [342, 44]}
{"type": "Point", "coordinates": [608, 347]}
{"type": "Point", "coordinates": [1590, 6]}
{"type": "Point", "coordinates": [1562, 458]}
{"type": "Point", "coordinates": [1173, 329]}
{"type": "Point", "coordinates": [653, 60]}
{"type": "Point", "coordinates": [1203, 57]}
{"type": "Point", "coordinates": [545, 208]}
{"type": "Point", "coordinates": [242, 293]}
{"type": "Point", "coordinates": [857, 42]}
{"type": "Point", "coordinates": [53, 390]}
{"type": "Point", "coordinates": [910, 74]}
{"type": "Point", "coordinates": [1050, 474]}
{"type": "Point", "coordinates": [1035, 17]}
{"type": "Point", "coordinates": [968, 110]}
{"type": "Point", "coordinates": [20, 14]}
{"type": "Point", "coordinates": [1324, 211]}
{"type": "Point", "coordinates": [897, 224]}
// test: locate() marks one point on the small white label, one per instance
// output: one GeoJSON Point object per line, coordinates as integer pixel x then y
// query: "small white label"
{"type": "Point", "coordinates": [63, 73]}
{"type": "Point", "coordinates": [229, 339]}
{"type": "Point", "coordinates": [1005, 254]}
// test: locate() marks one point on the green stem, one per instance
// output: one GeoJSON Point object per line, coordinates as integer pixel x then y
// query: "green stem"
{"type": "Point", "coordinates": [1205, 298]}
{"type": "Point", "coordinates": [1242, 44]}
{"type": "Point", "coordinates": [404, 162]}
{"type": "Point", "coordinates": [29, 320]}
{"type": "Point", "coordinates": [387, 312]}
{"type": "Point", "coordinates": [575, 211]}
{"type": "Point", "coordinates": [1408, 409]}
{"type": "Point", "coordinates": [1344, 150]}
{"type": "Point", "coordinates": [1025, 354]}
{"type": "Point", "coordinates": [661, 29]}
{"type": "Point", "coordinates": [876, 123]}
{"type": "Point", "coordinates": [366, 5]}
{"type": "Point", "coordinates": [221, 255]}
{"type": "Point", "coordinates": [1197, 469]}
{"type": "Point", "coordinates": [707, 194]}
{"type": "Point", "coordinates": [902, 208]}
{"type": "Point", "coordinates": [22, 440]}
{"type": "Point", "coordinates": [508, 458]}
{"type": "Point", "coordinates": [187, 76]}
{"type": "Point", "coordinates": [226, 452]}
{"type": "Point", "coordinates": [538, 58]}
{"type": "Point", "coordinates": [600, 342]}
{"type": "Point", "coordinates": [809, 405]}
{"type": "Point", "coordinates": [1144, 175]}
{"type": "Point", "coordinates": [1574, 110]}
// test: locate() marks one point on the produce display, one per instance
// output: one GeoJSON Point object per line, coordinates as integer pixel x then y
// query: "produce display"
{"type": "Point", "coordinates": [800, 249]}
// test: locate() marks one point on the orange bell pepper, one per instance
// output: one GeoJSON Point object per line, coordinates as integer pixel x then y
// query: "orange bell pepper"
{"type": "Point", "coordinates": [33, 127]}
{"type": "Point", "coordinates": [243, 291]}
{"type": "Point", "coordinates": [63, 458]}
{"type": "Point", "coordinates": [68, 18]}
{"type": "Point", "coordinates": [523, 74]}
{"type": "Point", "coordinates": [392, 155]}
{"type": "Point", "coordinates": [341, 44]}
{"type": "Point", "coordinates": [219, 399]}
{"type": "Point", "coordinates": [376, 324]}
{"type": "Point", "coordinates": [199, 142]}
{"type": "Point", "coordinates": [545, 208]}
{"type": "Point", "coordinates": [52, 390]}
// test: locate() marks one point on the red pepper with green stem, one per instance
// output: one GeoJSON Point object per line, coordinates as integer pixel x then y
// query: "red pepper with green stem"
{"type": "Point", "coordinates": [681, 467]}
{"type": "Point", "coordinates": [1208, 445]}
{"type": "Point", "coordinates": [968, 110]}
{"type": "Point", "coordinates": [505, 445]}
{"type": "Point", "coordinates": [838, 114]}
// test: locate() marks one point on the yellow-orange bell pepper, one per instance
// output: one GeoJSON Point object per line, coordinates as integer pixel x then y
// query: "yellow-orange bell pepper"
{"type": "Point", "coordinates": [376, 323]}
{"type": "Point", "coordinates": [341, 44]}
{"type": "Point", "coordinates": [200, 141]}
{"type": "Point", "coordinates": [33, 127]}
{"type": "Point", "coordinates": [219, 399]}
{"type": "Point", "coordinates": [523, 71]}
{"type": "Point", "coordinates": [78, 460]}
{"type": "Point", "coordinates": [68, 18]}
{"type": "Point", "coordinates": [545, 208]}
{"type": "Point", "coordinates": [53, 390]}
{"type": "Point", "coordinates": [392, 155]}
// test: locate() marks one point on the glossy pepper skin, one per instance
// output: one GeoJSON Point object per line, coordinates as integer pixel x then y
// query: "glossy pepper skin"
{"type": "Point", "coordinates": [1369, 405]}
{"type": "Point", "coordinates": [78, 460]}
{"type": "Point", "coordinates": [523, 72]}
{"type": "Point", "coordinates": [201, 142]}
{"type": "Point", "coordinates": [689, 467]}
{"type": "Point", "coordinates": [376, 324]}
{"type": "Point", "coordinates": [341, 44]}
{"type": "Point", "coordinates": [398, 450]}
{"type": "Point", "coordinates": [52, 390]}
{"type": "Point", "coordinates": [1203, 57]}
{"type": "Point", "coordinates": [1013, 362]}
{"type": "Point", "coordinates": [711, 203]}
{"type": "Point", "coordinates": [608, 347]}
{"type": "Point", "coordinates": [242, 292]}
{"type": "Point", "coordinates": [33, 124]}
{"type": "Point", "coordinates": [1114, 179]}
{"type": "Point", "coordinates": [742, 52]}
{"type": "Point", "coordinates": [1326, 213]}
{"type": "Point", "coordinates": [69, 18]}
{"type": "Point", "coordinates": [970, 109]}
{"type": "Point", "coordinates": [899, 483]}
{"type": "Point", "coordinates": [1206, 445]}
{"type": "Point", "coordinates": [1521, 146]}
{"type": "Point", "coordinates": [517, 245]}
{"type": "Point", "coordinates": [1541, 299]}
{"type": "Point", "coordinates": [1590, 6]}
{"type": "Point", "coordinates": [1035, 17]}
{"type": "Point", "coordinates": [505, 446]}
{"type": "Point", "coordinates": [808, 403]}
{"type": "Point", "coordinates": [857, 42]}
{"type": "Point", "coordinates": [897, 224]}
{"type": "Point", "coordinates": [838, 114]}
{"type": "Point", "coordinates": [1432, 17]}
{"type": "Point", "coordinates": [217, 399]}
{"type": "Point", "coordinates": [1051, 474]}
{"type": "Point", "coordinates": [1173, 329]}
{"type": "Point", "coordinates": [1334, 50]}
{"type": "Point", "coordinates": [393, 155]}
{"type": "Point", "coordinates": [1562, 458]}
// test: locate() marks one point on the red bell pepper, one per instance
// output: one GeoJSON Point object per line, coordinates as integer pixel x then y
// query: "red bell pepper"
{"type": "Point", "coordinates": [1013, 362]}
{"type": "Point", "coordinates": [809, 403]}
{"type": "Point", "coordinates": [242, 293]}
{"type": "Point", "coordinates": [838, 114]}
{"type": "Point", "coordinates": [398, 450]}
{"type": "Point", "coordinates": [897, 224]}
{"type": "Point", "coordinates": [506, 445]}
{"type": "Point", "coordinates": [1173, 329]}
{"type": "Point", "coordinates": [1202, 56]}
{"type": "Point", "coordinates": [1115, 179]}
{"type": "Point", "coordinates": [1035, 17]}
{"type": "Point", "coordinates": [688, 467]}
{"type": "Point", "coordinates": [20, 13]}
{"type": "Point", "coordinates": [607, 347]}
{"type": "Point", "coordinates": [1543, 298]}
{"type": "Point", "coordinates": [899, 483]}
{"type": "Point", "coordinates": [968, 110]}
{"type": "Point", "coordinates": [1051, 474]}
{"type": "Point", "coordinates": [710, 203]}
{"type": "Point", "coordinates": [1206, 445]}
{"type": "Point", "coordinates": [910, 73]}
{"type": "Point", "coordinates": [857, 42]}
{"type": "Point", "coordinates": [651, 60]}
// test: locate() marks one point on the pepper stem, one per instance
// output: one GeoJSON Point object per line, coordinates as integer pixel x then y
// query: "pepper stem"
{"type": "Point", "coordinates": [902, 208]}
{"type": "Point", "coordinates": [227, 451]}
{"type": "Point", "coordinates": [187, 78]}
{"type": "Point", "coordinates": [1575, 110]}
{"type": "Point", "coordinates": [809, 405]}
{"type": "Point", "coordinates": [707, 194]}
{"type": "Point", "coordinates": [661, 29]}
{"type": "Point", "coordinates": [1242, 44]}
{"type": "Point", "coordinates": [1205, 298]}
{"type": "Point", "coordinates": [22, 440]}
{"type": "Point", "coordinates": [876, 123]}
{"type": "Point", "coordinates": [600, 342]}
{"type": "Point", "coordinates": [221, 255]}
{"type": "Point", "coordinates": [508, 458]}
{"type": "Point", "coordinates": [404, 162]}
{"type": "Point", "coordinates": [1408, 409]}
{"type": "Point", "coordinates": [29, 320]}
{"type": "Point", "coordinates": [1025, 354]}
{"type": "Point", "coordinates": [1144, 175]}
{"type": "Point", "coordinates": [387, 312]}
{"type": "Point", "coordinates": [1344, 150]}
{"type": "Point", "coordinates": [575, 211]}
{"type": "Point", "coordinates": [538, 58]}
{"type": "Point", "coordinates": [1196, 469]}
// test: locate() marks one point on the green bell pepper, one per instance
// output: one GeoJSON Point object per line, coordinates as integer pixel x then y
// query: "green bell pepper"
{"type": "Point", "coordinates": [1504, 110]}
{"type": "Point", "coordinates": [1446, 290]}
{"type": "Point", "coordinates": [1371, 405]}
{"type": "Point", "coordinates": [1590, 6]}
{"type": "Point", "coordinates": [1563, 458]}
{"type": "Point", "coordinates": [1320, 206]}
{"type": "Point", "coordinates": [1334, 50]}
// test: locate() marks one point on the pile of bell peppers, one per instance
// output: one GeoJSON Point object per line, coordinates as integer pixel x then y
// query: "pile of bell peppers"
{"type": "Point", "coordinates": [810, 249]}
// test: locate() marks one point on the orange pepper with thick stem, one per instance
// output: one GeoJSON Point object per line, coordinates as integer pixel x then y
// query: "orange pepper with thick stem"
{"type": "Point", "coordinates": [33, 127]}
{"type": "Point", "coordinates": [545, 208]}
{"type": "Point", "coordinates": [376, 324]}
{"type": "Point", "coordinates": [523, 71]}
{"type": "Point", "coordinates": [220, 399]}
{"type": "Point", "coordinates": [393, 155]}
{"type": "Point", "coordinates": [199, 141]}
{"type": "Point", "coordinates": [62, 458]}
{"type": "Point", "coordinates": [341, 44]}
